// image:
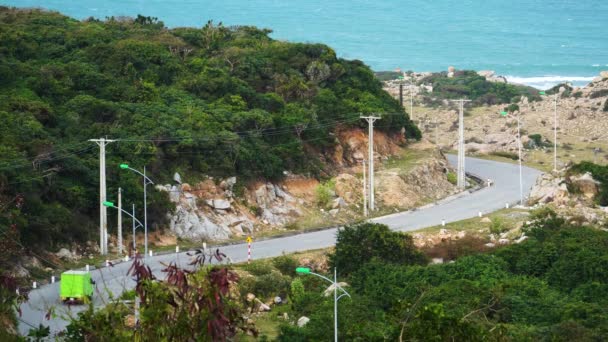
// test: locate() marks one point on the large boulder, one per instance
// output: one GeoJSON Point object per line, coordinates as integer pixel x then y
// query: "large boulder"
{"type": "Point", "coordinates": [585, 184]}
{"type": "Point", "coordinates": [193, 225]}
{"type": "Point", "coordinates": [549, 188]}
{"type": "Point", "coordinates": [604, 74]}
{"type": "Point", "coordinates": [65, 254]}
{"type": "Point", "coordinates": [302, 321]}
{"type": "Point", "coordinates": [220, 204]}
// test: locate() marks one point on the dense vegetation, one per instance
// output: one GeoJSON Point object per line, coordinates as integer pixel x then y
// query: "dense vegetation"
{"type": "Point", "coordinates": [552, 287]}
{"type": "Point", "coordinates": [214, 100]}
{"type": "Point", "coordinates": [468, 84]}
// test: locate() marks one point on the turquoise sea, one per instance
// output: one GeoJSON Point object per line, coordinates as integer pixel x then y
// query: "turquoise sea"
{"type": "Point", "coordinates": [535, 42]}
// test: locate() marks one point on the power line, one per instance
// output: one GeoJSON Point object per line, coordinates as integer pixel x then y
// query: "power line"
{"type": "Point", "coordinates": [12, 166]}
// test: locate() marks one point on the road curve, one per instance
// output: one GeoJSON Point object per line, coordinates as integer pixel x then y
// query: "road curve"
{"type": "Point", "coordinates": [113, 280]}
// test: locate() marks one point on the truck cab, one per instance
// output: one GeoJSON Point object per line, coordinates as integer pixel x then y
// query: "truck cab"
{"type": "Point", "coordinates": [76, 286]}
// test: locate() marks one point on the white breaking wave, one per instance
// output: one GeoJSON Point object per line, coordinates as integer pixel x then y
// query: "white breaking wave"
{"type": "Point", "coordinates": [546, 82]}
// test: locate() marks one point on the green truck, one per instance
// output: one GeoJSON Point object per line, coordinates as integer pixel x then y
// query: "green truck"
{"type": "Point", "coordinates": [76, 286]}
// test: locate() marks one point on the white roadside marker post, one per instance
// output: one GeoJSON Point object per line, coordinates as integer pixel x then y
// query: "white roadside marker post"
{"type": "Point", "coordinates": [249, 239]}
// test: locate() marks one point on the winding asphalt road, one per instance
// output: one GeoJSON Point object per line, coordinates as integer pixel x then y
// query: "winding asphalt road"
{"type": "Point", "coordinates": [113, 280]}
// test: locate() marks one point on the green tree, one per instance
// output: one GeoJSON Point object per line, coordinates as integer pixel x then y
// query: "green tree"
{"type": "Point", "coordinates": [360, 243]}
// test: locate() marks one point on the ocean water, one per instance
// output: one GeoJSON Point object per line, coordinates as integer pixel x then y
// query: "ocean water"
{"type": "Point", "coordinates": [540, 43]}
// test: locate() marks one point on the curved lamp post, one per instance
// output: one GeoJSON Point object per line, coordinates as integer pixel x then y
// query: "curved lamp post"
{"type": "Point", "coordinates": [146, 182]}
{"type": "Point", "coordinates": [139, 224]}
{"type": "Point", "coordinates": [306, 270]}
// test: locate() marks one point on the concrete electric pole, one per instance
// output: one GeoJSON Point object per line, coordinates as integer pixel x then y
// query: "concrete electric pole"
{"type": "Point", "coordinates": [370, 121]}
{"type": "Point", "coordinates": [519, 147]}
{"type": "Point", "coordinates": [364, 191]}
{"type": "Point", "coordinates": [103, 218]}
{"type": "Point", "coordinates": [461, 183]}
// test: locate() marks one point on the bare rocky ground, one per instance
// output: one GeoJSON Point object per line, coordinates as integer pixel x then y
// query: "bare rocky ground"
{"type": "Point", "coordinates": [582, 128]}
{"type": "Point", "coordinates": [582, 125]}
{"type": "Point", "coordinates": [406, 176]}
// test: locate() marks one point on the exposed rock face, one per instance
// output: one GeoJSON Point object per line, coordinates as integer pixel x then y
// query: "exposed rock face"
{"type": "Point", "coordinates": [208, 212]}
{"type": "Point", "coordinates": [549, 188]}
{"type": "Point", "coordinates": [353, 148]}
{"type": "Point", "coordinates": [425, 181]}
{"type": "Point", "coordinates": [348, 187]}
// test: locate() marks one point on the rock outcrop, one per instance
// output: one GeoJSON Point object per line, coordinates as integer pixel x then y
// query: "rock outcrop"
{"type": "Point", "coordinates": [549, 188]}
{"type": "Point", "coordinates": [585, 184]}
{"type": "Point", "coordinates": [426, 181]}
{"type": "Point", "coordinates": [208, 211]}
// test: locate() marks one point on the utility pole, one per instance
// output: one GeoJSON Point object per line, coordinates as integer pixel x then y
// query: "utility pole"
{"type": "Point", "coordinates": [120, 221]}
{"type": "Point", "coordinates": [364, 191]}
{"type": "Point", "coordinates": [103, 218]}
{"type": "Point", "coordinates": [401, 94]}
{"type": "Point", "coordinates": [521, 184]}
{"type": "Point", "coordinates": [436, 132]}
{"type": "Point", "coordinates": [555, 133]}
{"type": "Point", "coordinates": [411, 102]}
{"type": "Point", "coordinates": [461, 183]}
{"type": "Point", "coordinates": [370, 121]}
{"type": "Point", "coordinates": [133, 220]}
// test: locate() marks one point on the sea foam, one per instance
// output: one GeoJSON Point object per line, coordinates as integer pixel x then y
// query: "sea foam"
{"type": "Point", "coordinates": [546, 82]}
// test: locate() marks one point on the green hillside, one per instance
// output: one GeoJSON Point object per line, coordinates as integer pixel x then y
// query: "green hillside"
{"type": "Point", "coordinates": [214, 100]}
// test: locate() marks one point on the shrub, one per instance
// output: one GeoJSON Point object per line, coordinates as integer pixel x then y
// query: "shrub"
{"type": "Point", "coordinates": [505, 154]}
{"type": "Point", "coordinates": [513, 107]}
{"type": "Point", "coordinates": [605, 109]}
{"type": "Point", "coordinates": [258, 268]}
{"type": "Point", "coordinates": [497, 226]}
{"type": "Point", "coordinates": [286, 265]}
{"type": "Point", "coordinates": [358, 244]}
{"type": "Point", "coordinates": [454, 249]}
{"type": "Point", "coordinates": [599, 93]}
{"type": "Point", "coordinates": [324, 193]}
{"type": "Point", "coordinates": [536, 140]}
{"type": "Point", "coordinates": [452, 177]}
{"type": "Point", "coordinates": [265, 286]}
{"type": "Point", "coordinates": [555, 90]}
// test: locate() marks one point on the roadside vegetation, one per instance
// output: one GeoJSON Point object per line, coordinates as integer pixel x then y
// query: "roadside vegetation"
{"type": "Point", "coordinates": [552, 286]}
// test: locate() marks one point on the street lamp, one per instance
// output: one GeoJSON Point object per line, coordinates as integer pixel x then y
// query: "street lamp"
{"type": "Point", "coordinates": [134, 219]}
{"type": "Point", "coordinates": [306, 270]}
{"type": "Point", "coordinates": [146, 182]}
